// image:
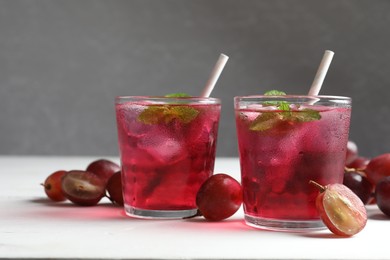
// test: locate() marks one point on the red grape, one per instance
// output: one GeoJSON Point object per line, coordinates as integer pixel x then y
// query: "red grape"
{"type": "Point", "coordinates": [219, 197]}
{"type": "Point", "coordinates": [103, 168]}
{"type": "Point", "coordinates": [82, 187]}
{"type": "Point", "coordinates": [359, 184]}
{"type": "Point", "coordinates": [52, 186]}
{"type": "Point", "coordinates": [378, 168]}
{"type": "Point", "coordinates": [114, 188]}
{"type": "Point", "coordinates": [340, 209]}
{"type": "Point", "coordinates": [359, 163]}
{"type": "Point", "coordinates": [352, 152]}
{"type": "Point", "coordinates": [382, 195]}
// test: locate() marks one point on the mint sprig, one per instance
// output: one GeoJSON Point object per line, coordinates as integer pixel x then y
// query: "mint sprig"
{"type": "Point", "coordinates": [274, 93]}
{"type": "Point", "coordinates": [165, 114]}
{"type": "Point", "coordinates": [172, 95]}
{"type": "Point", "coordinates": [282, 105]}
{"type": "Point", "coordinates": [267, 120]}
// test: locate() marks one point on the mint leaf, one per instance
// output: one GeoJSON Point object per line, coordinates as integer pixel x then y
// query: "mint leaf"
{"type": "Point", "coordinates": [177, 95]}
{"type": "Point", "coordinates": [282, 105]}
{"type": "Point", "coordinates": [268, 120]}
{"type": "Point", "coordinates": [166, 114]}
{"type": "Point", "coordinates": [305, 115]}
{"type": "Point", "coordinates": [274, 93]}
{"type": "Point", "coordinates": [152, 115]}
{"type": "Point", "coordinates": [184, 113]}
{"type": "Point", "coordinates": [265, 121]}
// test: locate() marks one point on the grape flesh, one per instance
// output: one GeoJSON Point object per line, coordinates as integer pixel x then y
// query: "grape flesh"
{"type": "Point", "coordinates": [52, 186]}
{"type": "Point", "coordinates": [382, 195]}
{"type": "Point", "coordinates": [103, 168]}
{"type": "Point", "coordinates": [114, 188]}
{"type": "Point", "coordinates": [83, 188]}
{"type": "Point", "coordinates": [359, 184]}
{"type": "Point", "coordinates": [341, 209]}
{"type": "Point", "coordinates": [378, 168]}
{"type": "Point", "coordinates": [219, 197]}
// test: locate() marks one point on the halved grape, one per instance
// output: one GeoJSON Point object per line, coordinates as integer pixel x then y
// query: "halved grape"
{"type": "Point", "coordinates": [219, 197]}
{"type": "Point", "coordinates": [82, 187]}
{"type": "Point", "coordinates": [340, 209]}
{"type": "Point", "coordinates": [52, 186]}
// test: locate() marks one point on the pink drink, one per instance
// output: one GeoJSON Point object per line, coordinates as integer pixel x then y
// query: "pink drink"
{"type": "Point", "coordinates": [164, 161]}
{"type": "Point", "coordinates": [278, 161]}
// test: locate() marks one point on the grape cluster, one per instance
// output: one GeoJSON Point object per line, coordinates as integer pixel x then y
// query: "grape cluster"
{"type": "Point", "coordinates": [86, 187]}
{"type": "Point", "coordinates": [368, 178]}
{"type": "Point", "coordinates": [218, 198]}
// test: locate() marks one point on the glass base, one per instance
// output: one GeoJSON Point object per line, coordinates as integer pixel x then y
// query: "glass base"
{"type": "Point", "coordinates": [159, 214]}
{"type": "Point", "coordinates": [284, 224]}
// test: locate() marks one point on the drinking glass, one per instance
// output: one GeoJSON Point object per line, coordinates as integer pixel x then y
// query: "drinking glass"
{"type": "Point", "coordinates": [284, 142]}
{"type": "Point", "coordinates": [167, 150]}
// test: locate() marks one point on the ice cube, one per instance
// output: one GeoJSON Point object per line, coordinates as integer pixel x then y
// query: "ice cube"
{"type": "Point", "coordinates": [127, 115]}
{"type": "Point", "coordinates": [164, 148]}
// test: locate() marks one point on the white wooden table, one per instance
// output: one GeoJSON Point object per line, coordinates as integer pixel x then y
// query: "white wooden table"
{"type": "Point", "coordinates": [32, 227]}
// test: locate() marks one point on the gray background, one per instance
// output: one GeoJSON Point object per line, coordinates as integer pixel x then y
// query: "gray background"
{"type": "Point", "coordinates": [63, 62]}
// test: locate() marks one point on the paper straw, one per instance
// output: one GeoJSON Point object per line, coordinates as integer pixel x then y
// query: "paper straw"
{"type": "Point", "coordinates": [321, 73]}
{"type": "Point", "coordinates": [215, 73]}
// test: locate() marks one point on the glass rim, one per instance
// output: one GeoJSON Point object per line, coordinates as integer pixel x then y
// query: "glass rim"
{"type": "Point", "coordinates": [166, 98]}
{"type": "Point", "coordinates": [208, 100]}
{"type": "Point", "coordinates": [293, 96]}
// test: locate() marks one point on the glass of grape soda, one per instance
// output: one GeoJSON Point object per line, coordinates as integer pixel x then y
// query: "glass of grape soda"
{"type": "Point", "coordinates": [284, 142]}
{"type": "Point", "coordinates": [167, 149]}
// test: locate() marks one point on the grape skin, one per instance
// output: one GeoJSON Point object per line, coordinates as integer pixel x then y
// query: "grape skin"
{"type": "Point", "coordinates": [103, 168]}
{"type": "Point", "coordinates": [53, 187]}
{"type": "Point", "coordinates": [114, 188]}
{"type": "Point", "coordinates": [360, 185]}
{"type": "Point", "coordinates": [382, 195]}
{"type": "Point", "coordinates": [219, 197]}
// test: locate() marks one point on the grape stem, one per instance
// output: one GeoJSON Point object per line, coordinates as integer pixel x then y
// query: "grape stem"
{"type": "Point", "coordinates": [358, 170]}
{"type": "Point", "coordinates": [319, 186]}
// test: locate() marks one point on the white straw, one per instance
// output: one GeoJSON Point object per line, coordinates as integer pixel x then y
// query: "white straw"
{"type": "Point", "coordinates": [215, 73]}
{"type": "Point", "coordinates": [321, 73]}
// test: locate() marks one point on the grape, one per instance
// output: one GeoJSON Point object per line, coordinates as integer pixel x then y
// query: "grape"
{"type": "Point", "coordinates": [352, 152]}
{"type": "Point", "coordinates": [378, 168]}
{"type": "Point", "coordinates": [114, 188]}
{"type": "Point", "coordinates": [340, 209]}
{"type": "Point", "coordinates": [219, 197]}
{"type": "Point", "coordinates": [103, 168]}
{"type": "Point", "coordinates": [359, 163]}
{"type": "Point", "coordinates": [382, 195]}
{"type": "Point", "coordinates": [52, 186]}
{"type": "Point", "coordinates": [359, 184]}
{"type": "Point", "coordinates": [82, 187]}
